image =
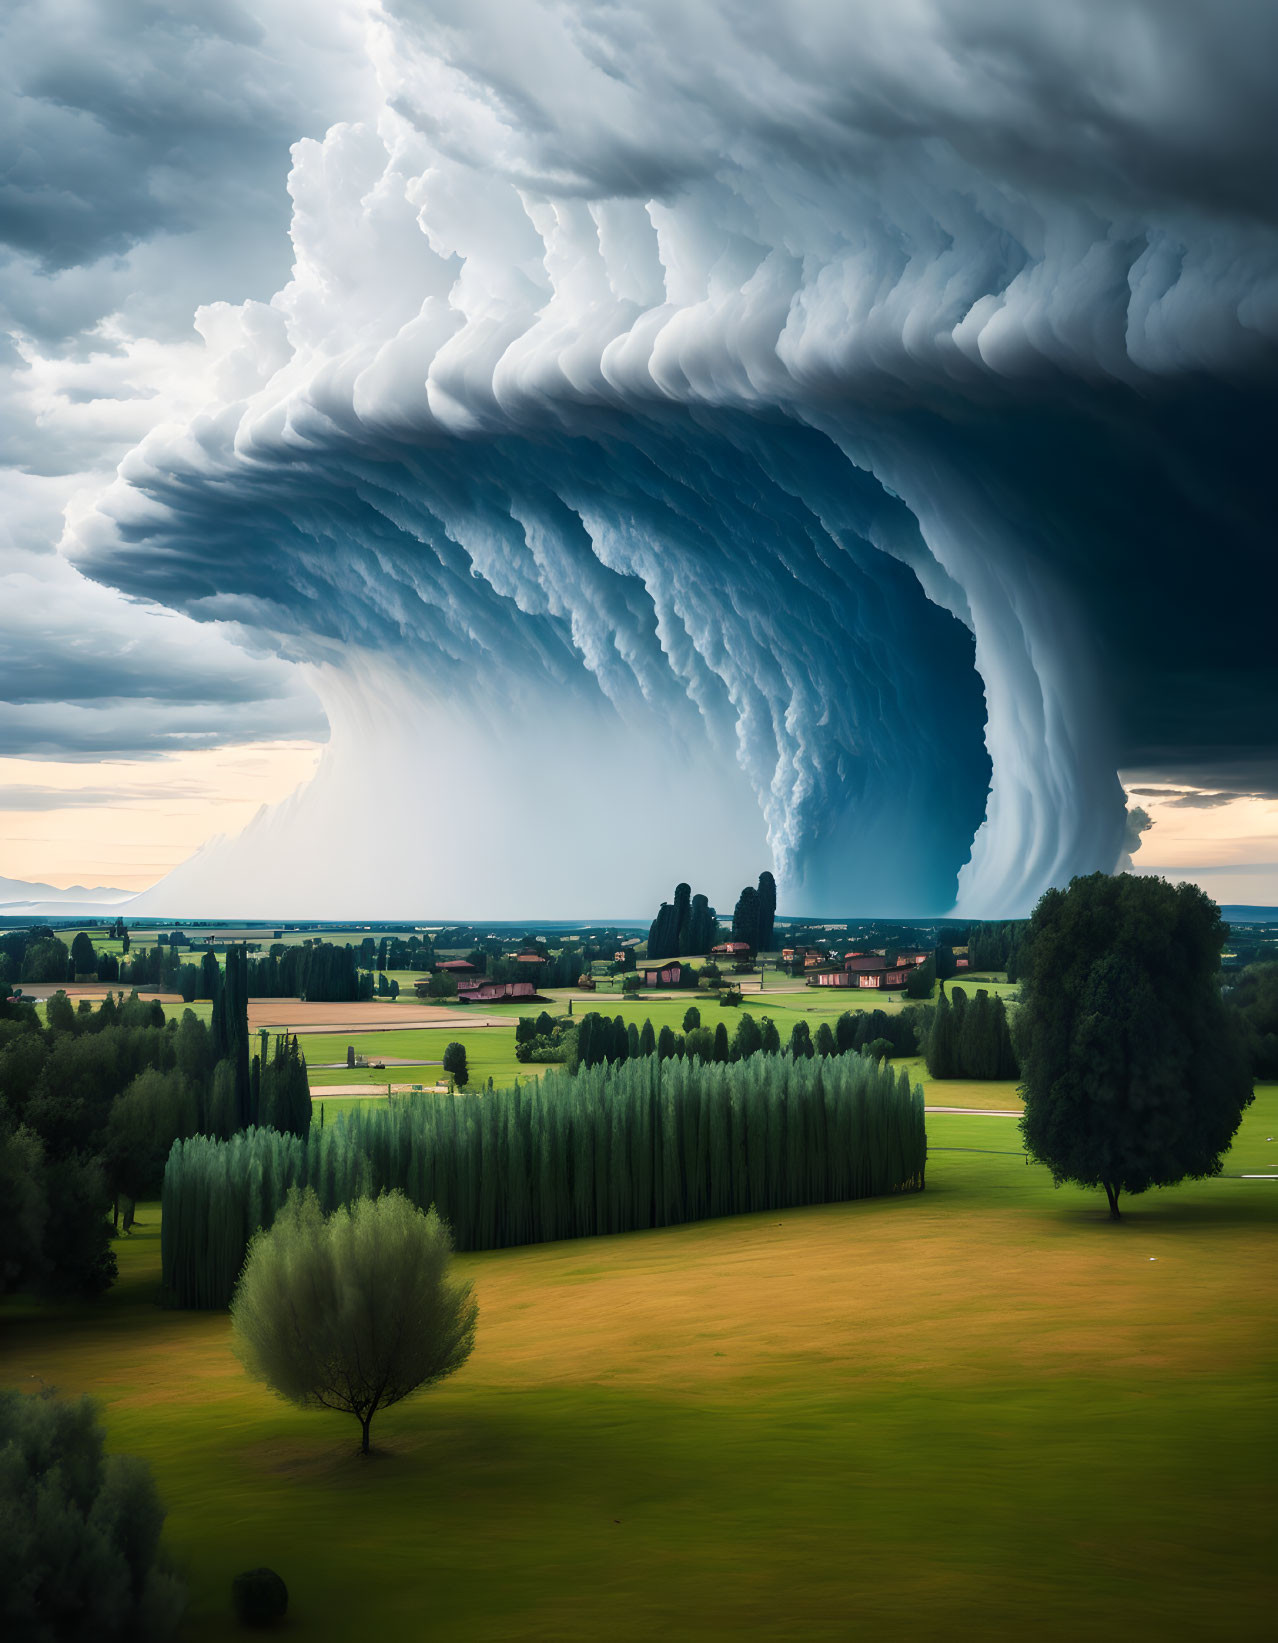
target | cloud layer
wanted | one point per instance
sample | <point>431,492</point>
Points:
<point>848,411</point>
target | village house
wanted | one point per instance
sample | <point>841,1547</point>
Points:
<point>867,970</point>
<point>663,975</point>
<point>812,957</point>
<point>482,989</point>
<point>731,950</point>
<point>456,966</point>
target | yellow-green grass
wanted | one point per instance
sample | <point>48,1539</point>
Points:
<point>978,1412</point>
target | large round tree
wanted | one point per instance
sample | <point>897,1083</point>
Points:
<point>354,1311</point>
<point>1134,1073</point>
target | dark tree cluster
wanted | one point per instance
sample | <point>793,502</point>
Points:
<point>411,952</point>
<point>602,1040</point>
<point>754,916</point>
<point>91,1103</point>
<point>970,1038</point>
<point>80,1550</point>
<point>997,946</point>
<point>1255,997</point>
<point>687,924</point>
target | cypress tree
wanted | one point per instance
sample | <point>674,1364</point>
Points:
<point>639,1144</point>
<point>825,1043</point>
<point>767,901</point>
<point>647,1039</point>
<point>745,918</point>
<point>722,1049</point>
<point>682,919</point>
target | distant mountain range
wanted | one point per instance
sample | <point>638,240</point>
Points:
<point>19,897</point>
<point>1233,913</point>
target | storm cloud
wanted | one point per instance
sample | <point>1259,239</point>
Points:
<point>847,426</point>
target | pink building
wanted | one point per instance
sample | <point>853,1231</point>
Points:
<point>481,989</point>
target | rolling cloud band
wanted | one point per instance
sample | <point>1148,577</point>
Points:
<point>758,424</point>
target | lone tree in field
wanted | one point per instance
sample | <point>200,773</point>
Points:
<point>1134,1072</point>
<point>352,1312</point>
<point>455,1063</point>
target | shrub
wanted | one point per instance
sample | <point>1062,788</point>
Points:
<point>79,1531</point>
<point>260,1597</point>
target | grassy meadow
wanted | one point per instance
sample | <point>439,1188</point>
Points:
<point>981,1411</point>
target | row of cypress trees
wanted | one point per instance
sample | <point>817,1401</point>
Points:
<point>971,1038</point>
<point>615,1148</point>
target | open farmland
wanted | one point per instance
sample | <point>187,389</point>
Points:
<point>804,1424</point>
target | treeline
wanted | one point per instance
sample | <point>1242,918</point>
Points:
<point>411,952</point>
<point>92,1101</point>
<point>595,1039</point>
<point>649,1143</point>
<point>970,1038</point>
<point>997,946</point>
<point>319,971</point>
<point>1255,996</point>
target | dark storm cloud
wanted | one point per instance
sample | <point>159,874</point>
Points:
<point>86,675</point>
<point>141,121</point>
<point>790,306</point>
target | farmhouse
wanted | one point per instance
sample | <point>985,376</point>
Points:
<point>662,975</point>
<point>867,970</point>
<point>482,989</point>
<point>811,957</point>
<point>731,950</point>
<point>456,966</point>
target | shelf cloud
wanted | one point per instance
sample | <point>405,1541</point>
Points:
<point>839,432</point>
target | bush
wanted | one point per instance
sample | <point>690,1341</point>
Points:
<point>260,1597</point>
<point>79,1531</point>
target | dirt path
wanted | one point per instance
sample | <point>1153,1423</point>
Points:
<point>980,1112</point>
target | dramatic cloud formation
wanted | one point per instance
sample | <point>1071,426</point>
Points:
<point>841,431</point>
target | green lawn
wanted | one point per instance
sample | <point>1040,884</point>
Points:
<point>979,1412</point>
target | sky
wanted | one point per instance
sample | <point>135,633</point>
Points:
<point>678,438</point>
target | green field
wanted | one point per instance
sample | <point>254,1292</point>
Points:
<point>979,1412</point>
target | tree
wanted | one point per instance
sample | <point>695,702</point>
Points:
<point>825,1043</point>
<point>691,1018</point>
<point>80,1552</point>
<point>745,918</point>
<point>771,1038</point>
<point>84,961</point>
<point>801,1040</point>
<point>45,960</point>
<point>747,1040</point>
<point>354,1312</point>
<point>767,895</point>
<point>1135,1073</point>
<point>154,1111</point>
<point>455,1063</point>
